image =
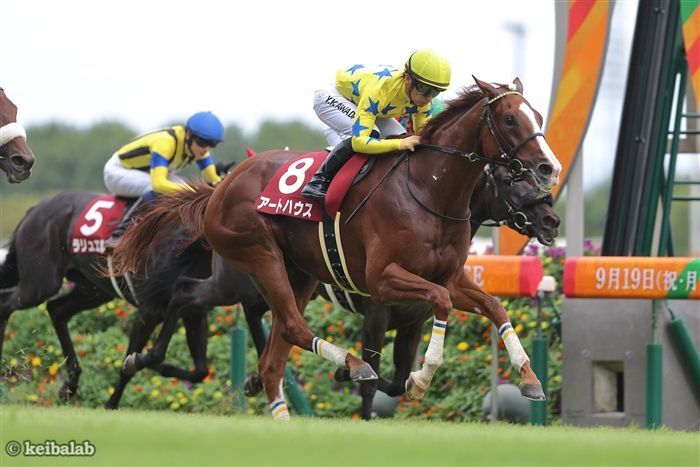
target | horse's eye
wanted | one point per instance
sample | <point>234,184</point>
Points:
<point>510,120</point>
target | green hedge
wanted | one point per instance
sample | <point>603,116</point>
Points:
<point>33,362</point>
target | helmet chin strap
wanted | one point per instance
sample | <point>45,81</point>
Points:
<point>10,132</point>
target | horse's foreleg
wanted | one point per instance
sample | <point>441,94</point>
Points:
<point>288,291</point>
<point>405,347</point>
<point>197,333</point>
<point>468,296</point>
<point>271,371</point>
<point>373,330</point>
<point>396,284</point>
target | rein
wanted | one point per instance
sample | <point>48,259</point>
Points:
<point>508,159</point>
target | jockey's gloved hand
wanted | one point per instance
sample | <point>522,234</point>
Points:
<point>222,168</point>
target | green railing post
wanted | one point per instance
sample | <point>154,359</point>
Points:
<point>538,409</point>
<point>686,351</point>
<point>238,351</point>
<point>654,375</point>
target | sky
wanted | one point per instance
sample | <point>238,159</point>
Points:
<point>149,63</point>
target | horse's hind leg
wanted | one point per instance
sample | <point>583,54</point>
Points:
<point>469,297</point>
<point>83,296</point>
<point>31,291</point>
<point>155,356</point>
<point>197,334</point>
<point>142,326</point>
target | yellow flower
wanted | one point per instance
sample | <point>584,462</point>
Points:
<point>50,348</point>
<point>102,309</point>
<point>174,406</point>
<point>36,361</point>
<point>117,363</point>
<point>198,391</point>
<point>169,398</point>
<point>218,395</point>
<point>518,328</point>
<point>212,328</point>
<point>32,397</point>
<point>53,369</point>
<point>329,338</point>
<point>155,393</point>
<point>110,391</point>
<point>13,362</point>
<point>155,380</point>
<point>462,346</point>
<point>545,324</point>
<point>426,337</point>
<point>320,405</point>
<point>110,305</point>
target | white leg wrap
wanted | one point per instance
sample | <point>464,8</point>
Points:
<point>517,354</point>
<point>433,356</point>
<point>329,351</point>
<point>278,407</point>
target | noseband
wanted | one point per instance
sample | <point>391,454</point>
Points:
<point>9,132</point>
<point>515,214</point>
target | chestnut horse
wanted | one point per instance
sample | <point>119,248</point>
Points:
<point>16,159</point>
<point>408,241</point>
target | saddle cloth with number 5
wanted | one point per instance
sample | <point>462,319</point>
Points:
<point>282,195</point>
<point>95,224</point>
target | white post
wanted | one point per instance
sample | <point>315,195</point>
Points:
<point>574,208</point>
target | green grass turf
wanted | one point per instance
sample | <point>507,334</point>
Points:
<point>157,438</point>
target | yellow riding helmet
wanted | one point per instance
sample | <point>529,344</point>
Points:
<point>429,67</point>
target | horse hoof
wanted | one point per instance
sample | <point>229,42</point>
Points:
<point>532,391</point>
<point>129,365</point>
<point>414,390</point>
<point>66,393</point>
<point>363,372</point>
<point>252,385</point>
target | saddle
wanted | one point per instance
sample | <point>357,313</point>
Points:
<point>96,222</point>
<point>282,195</point>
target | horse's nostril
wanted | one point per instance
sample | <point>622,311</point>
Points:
<point>550,221</point>
<point>21,162</point>
<point>545,169</point>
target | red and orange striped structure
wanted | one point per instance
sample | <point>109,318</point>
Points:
<point>690,17</point>
<point>506,276</point>
<point>632,277</point>
<point>586,41</point>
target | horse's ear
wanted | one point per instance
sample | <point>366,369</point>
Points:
<point>487,88</point>
<point>518,85</point>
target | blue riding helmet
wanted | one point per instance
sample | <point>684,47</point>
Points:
<point>206,125</point>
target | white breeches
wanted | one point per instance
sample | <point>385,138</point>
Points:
<point>130,183</point>
<point>338,114</point>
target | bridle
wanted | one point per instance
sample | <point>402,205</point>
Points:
<point>507,158</point>
<point>9,132</point>
<point>514,215</point>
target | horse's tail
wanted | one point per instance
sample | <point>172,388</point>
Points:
<point>136,249</point>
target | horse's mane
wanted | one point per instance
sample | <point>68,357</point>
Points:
<point>466,98</point>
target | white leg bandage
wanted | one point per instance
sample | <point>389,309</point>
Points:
<point>517,354</point>
<point>329,351</point>
<point>278,407</point>
<point>433,356</point>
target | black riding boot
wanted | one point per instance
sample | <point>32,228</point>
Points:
<point>123,224</point>
<point>318,185</point>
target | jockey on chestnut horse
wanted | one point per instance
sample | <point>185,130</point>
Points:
<point>407,239</point>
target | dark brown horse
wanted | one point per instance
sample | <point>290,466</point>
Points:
<point>16,159</point>
<point>408,243</point>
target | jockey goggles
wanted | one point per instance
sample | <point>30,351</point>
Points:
<point>205,143</point>
<point>426,90</point>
